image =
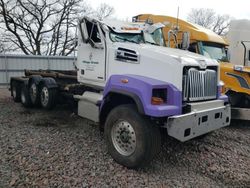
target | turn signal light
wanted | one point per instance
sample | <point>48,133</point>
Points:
<point>125,81</point>
<point>157,101</point>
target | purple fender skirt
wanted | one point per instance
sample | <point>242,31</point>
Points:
<point>142,87</point>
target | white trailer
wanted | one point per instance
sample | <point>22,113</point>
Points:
<point>239,42</point>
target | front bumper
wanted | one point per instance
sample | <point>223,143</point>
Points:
<point>199,121</point>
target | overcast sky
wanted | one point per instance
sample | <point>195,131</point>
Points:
<point>125,9</point>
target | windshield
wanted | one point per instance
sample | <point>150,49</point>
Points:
<point>127,37</point>
<point>155,38</point>
<point>214,51</point>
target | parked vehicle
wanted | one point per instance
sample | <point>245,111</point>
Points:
<point>205,42</point>
<point>187,36</point>
<point>133,88</point>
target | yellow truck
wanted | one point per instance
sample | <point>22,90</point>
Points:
<point>236,78</point>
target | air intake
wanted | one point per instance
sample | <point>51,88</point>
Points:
<point>126,55</point>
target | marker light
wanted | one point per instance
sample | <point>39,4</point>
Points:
<point>125,81</point>
<point>157,101</point>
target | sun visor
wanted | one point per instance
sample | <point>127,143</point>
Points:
<point>124,27</point>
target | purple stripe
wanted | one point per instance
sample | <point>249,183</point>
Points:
<point>223,97</point>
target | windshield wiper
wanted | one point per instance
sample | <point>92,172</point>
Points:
<point>224,59</point>
<point>124,39</point>
<point>152,43</point>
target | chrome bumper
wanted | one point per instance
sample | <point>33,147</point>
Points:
<point>199,122</point>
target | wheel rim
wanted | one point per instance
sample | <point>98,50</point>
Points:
<point>14,92</point>
<point>44,96</point>
<point>123,137</point>
<point>33,92</point>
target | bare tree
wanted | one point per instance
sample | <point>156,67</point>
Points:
<point>1,47</point>
<point>104,11</point>
<point>44,27</point>
<point>41,27</point>
<point>209,19</point>
<point>221,24</point>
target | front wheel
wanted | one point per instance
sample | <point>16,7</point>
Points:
<point>241,100</point>
<point>132,139</point>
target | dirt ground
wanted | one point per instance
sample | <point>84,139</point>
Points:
<point>56,148</point>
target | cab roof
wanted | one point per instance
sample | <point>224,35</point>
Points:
<point>119,26</point>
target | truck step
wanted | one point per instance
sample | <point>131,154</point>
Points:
<point>91,97</point>
<point>88,105</point>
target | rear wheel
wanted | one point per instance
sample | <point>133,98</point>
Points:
<point>47,96</point>
<point>132,139</point>
<point>25,97</point>
<point>34,93</point>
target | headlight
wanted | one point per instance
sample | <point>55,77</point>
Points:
<point>221,83</point>
<point>221,88</point>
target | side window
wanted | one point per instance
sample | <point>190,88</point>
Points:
<point>93,32</point>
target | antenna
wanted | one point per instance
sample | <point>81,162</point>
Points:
<point>177,19</point>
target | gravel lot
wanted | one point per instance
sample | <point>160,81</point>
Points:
<point>58,149</point>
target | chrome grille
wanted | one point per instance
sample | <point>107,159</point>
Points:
<point>199,85</point>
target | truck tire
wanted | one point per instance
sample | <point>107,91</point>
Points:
<point>47,96</point>
<point>25,97</point>
<point>235,99</point>
<point>132,139</point>
<point>15,91</point>
<point>34,93</point>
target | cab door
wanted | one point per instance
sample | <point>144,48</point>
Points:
<point>91,58</point>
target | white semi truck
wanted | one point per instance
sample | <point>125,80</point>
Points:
<point>133,88</point>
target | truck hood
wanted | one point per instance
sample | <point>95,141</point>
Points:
<point>236,68</point>
<point>161,63</point>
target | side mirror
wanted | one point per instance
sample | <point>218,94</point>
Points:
<point>185,40</point>
<point>84,31</point>
<point>227,53</point>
